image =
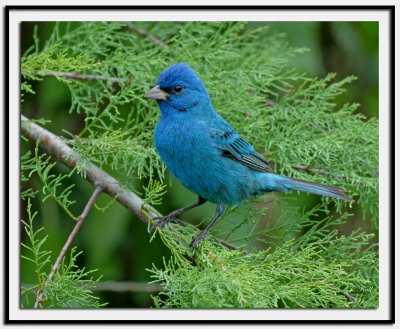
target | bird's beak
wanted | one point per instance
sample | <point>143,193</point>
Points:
<point>156,93</point>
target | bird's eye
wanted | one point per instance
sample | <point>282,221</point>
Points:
<point>178,89</point>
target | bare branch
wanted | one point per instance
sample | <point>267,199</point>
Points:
<point>310,169</point>
<point>127,286</point>
<point>349,297</point>
<point>115,286</point>
<point>69,241</point>
<point>80,76</point>
<point>316,170</point>
<point>230,245</point>
<point>146,34</point>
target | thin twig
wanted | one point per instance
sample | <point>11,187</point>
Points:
<point>127,286</point>
<point>310,169</point>
<point>69,241</point>
<point>231,246</point>
<point>80,76</point>
<point>115,286</point>
<point>317,170</point>
<point>349,297</point>
<point>146,34</point>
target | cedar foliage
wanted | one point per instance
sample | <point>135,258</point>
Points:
<point>299,258</point>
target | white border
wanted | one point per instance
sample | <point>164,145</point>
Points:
<point>133,314</point>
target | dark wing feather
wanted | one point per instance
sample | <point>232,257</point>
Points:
<point>236,148</point>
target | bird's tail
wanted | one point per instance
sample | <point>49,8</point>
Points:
<point>285,183</point>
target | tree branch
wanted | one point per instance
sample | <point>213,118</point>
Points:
<point>317,171</point>
<point>80,76</point>
<point>115,286</point>
<point>68,243</point>
<point>310,169</point>
<point>127,286</point>
<point>230,245</point>
<point>349,297</point>
<point>146,34</point>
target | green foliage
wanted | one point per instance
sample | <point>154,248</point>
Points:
<point>327,139</point>
<point>294,120</point>
<point>153,192</point>
<point>28,165</point>
<point>70,287</point>
<point>321,269</point>
<point>52,59</point>
<point>36,254</point>
<point>122,153</point>
<point>53,183</point>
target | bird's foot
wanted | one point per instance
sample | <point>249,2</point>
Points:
<point>161,222</point>
<point>196,241</point>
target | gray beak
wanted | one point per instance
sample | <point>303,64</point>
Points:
<point>156,93</point>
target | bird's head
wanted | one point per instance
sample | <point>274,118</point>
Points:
<point>178,89</point>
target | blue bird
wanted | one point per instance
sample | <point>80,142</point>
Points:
<point>207,155</point>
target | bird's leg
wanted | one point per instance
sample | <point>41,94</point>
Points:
<point>162,221</point>
<point>219,211</point>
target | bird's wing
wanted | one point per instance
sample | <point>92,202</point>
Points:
<point>235,147</point>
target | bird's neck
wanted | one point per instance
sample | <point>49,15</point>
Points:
<point>167,111</point>
<point>199,111</point>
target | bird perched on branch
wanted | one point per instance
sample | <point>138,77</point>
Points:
<point>207,155</point>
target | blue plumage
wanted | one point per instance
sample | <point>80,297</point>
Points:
<point>206,154</point>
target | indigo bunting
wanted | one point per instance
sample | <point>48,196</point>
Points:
<point>207,155</point>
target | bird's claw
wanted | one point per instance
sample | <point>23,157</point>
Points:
<point>161,222</point>
<point>196,241</point>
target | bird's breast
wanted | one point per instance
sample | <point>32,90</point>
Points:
<point>178,144</point>
<point>187,152</point>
